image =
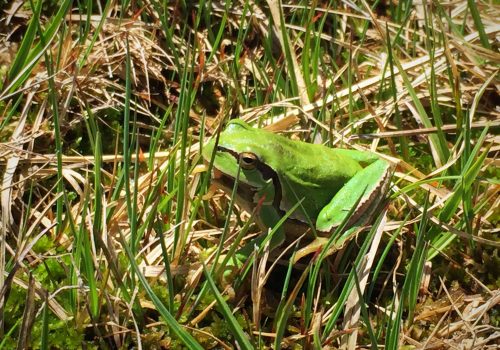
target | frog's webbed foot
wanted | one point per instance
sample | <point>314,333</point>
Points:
<point>227,268</point>
<point>320,243</point>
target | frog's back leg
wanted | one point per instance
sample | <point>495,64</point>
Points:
<point>369,184</point>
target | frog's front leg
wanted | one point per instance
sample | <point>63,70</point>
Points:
<point>267,218</point>
<point>366,188</point>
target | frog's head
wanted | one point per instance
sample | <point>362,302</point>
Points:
<point>240,154</point>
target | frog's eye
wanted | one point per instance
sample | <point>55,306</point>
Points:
<point>248,160</point>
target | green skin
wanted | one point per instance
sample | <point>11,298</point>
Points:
<point>277,172</point>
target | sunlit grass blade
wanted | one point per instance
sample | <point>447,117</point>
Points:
<point>365,315</point>
<point>44,339</point>
<point>217,40</point>
<point>25,47</point>
<point>127,146</point>
<point>171,322</point>
<point>437,144</point>
<point>407,300</point>
<point>394,93</point>
<point>236,330</point>
<point>261,241</point>
<point>470,171</point>
<point>286,305</point>
<point>479,23</point>
<point>186,99</point>
<point>25,65</point>
<point>168,272</point>
<point>53,97</point>
<point>349,283</point>
<point>88,259</point>
<point>9,334</point>
<point>413,278</point>
<point>83,59</point>
<point>433,88</point>
<point>380,262</point>
<point>337,234</point>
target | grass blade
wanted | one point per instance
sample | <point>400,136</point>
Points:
<point>232,323</point>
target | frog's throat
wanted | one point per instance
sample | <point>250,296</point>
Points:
<point>247,195</point>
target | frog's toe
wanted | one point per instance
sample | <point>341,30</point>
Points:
<point>226,268</point>
<point>312,247</point>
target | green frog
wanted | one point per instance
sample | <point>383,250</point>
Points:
<point>275,173</point>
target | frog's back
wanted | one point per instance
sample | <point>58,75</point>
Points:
<point>299,158</point>
<point>314,172</point>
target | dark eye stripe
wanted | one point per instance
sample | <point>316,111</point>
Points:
<point>227,150</point>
